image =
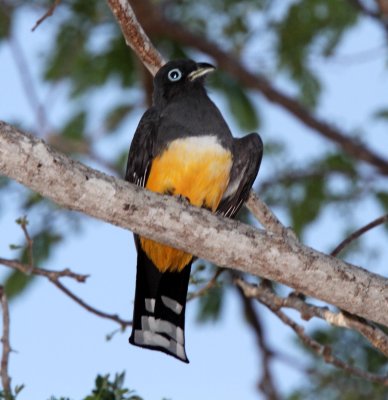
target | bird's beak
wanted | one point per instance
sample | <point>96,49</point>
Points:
<point>202,70</point>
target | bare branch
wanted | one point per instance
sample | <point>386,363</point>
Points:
<point>371,332</point>
<point>114,317</point>
<point>319,349</point>
<point>225,242</point>
<point>264,214</point>
<point>212,282</point>
<point>5,379</point>
<point>54,276</point>
<point>266,384</point>
<point>47,14</point>
<point>379,16</point>
<point>26,79</point>
<point>355,235</point>
<point>135,36</point>
<point>23,222</point>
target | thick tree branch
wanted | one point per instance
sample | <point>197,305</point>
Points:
<point>222,241</point>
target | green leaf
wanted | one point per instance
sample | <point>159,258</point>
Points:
<point>382,197</point>
<point>339,162</point>
<point>15,247</point>
<point>4,181</point>
<point>242,108</point>
<point>5,20</point>
<point>311,26</point>
<point>66,52</point>
<point>307,207</point>
<point>43,242</point>
<point>16,283</point>
<point>32,199</point>
<point>18,389</point>
<point>75,128</point>
<point>310,89</point>
<point>116,116</point>
<point>121,162</point>
<point>240,104</point>
<point>381,114</point>
<point>106,389</point>
<point>210,305</point>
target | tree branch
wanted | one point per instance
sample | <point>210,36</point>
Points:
<point>5,379</point>
<point>54,276</point>
<point>265,295</point>
<point>266,384</point>
<point>319,349</point>
<point>49,274</point>
<point>222,241</point>
<point>47,14</point>
<point>355,235</point>
<point>264,214</point>
<point>211,284</point>
<point>114,317</point>
<point>135,36</point>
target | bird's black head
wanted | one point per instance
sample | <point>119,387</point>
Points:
<point>178,77</point>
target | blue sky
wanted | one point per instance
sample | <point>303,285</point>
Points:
<point>60,348</point>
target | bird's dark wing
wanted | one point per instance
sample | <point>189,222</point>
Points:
<point>247,154</point>
<point>142,148</point>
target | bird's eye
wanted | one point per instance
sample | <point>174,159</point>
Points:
<point>174,75</point>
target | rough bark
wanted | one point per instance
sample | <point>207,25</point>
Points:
<point>225,242</point>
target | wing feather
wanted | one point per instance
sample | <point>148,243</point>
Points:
<point>247,155</point>
<point>141,151</point>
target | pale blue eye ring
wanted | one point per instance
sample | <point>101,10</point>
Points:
<point>174,75</point>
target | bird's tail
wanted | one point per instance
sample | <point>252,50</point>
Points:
<point>159,311</point>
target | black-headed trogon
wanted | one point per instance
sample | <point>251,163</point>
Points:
<point>182,147</point>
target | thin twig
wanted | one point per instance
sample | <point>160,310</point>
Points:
<point>47,14</point>
<point>50,274</point>
<point>341,319</point>
<point>26,78</point>
<point>355,235</point>
<point>54,277</point>
<point>319,349</point>
<point>212,282</point>
<point>266,384</point>
<point>23,222</point>
<point>326,351</point>
<point>5,379</point>
<point>114,317</point>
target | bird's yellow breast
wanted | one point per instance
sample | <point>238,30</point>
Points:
<point>197,168</point>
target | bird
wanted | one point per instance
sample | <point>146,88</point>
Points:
<point>182,147</point>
